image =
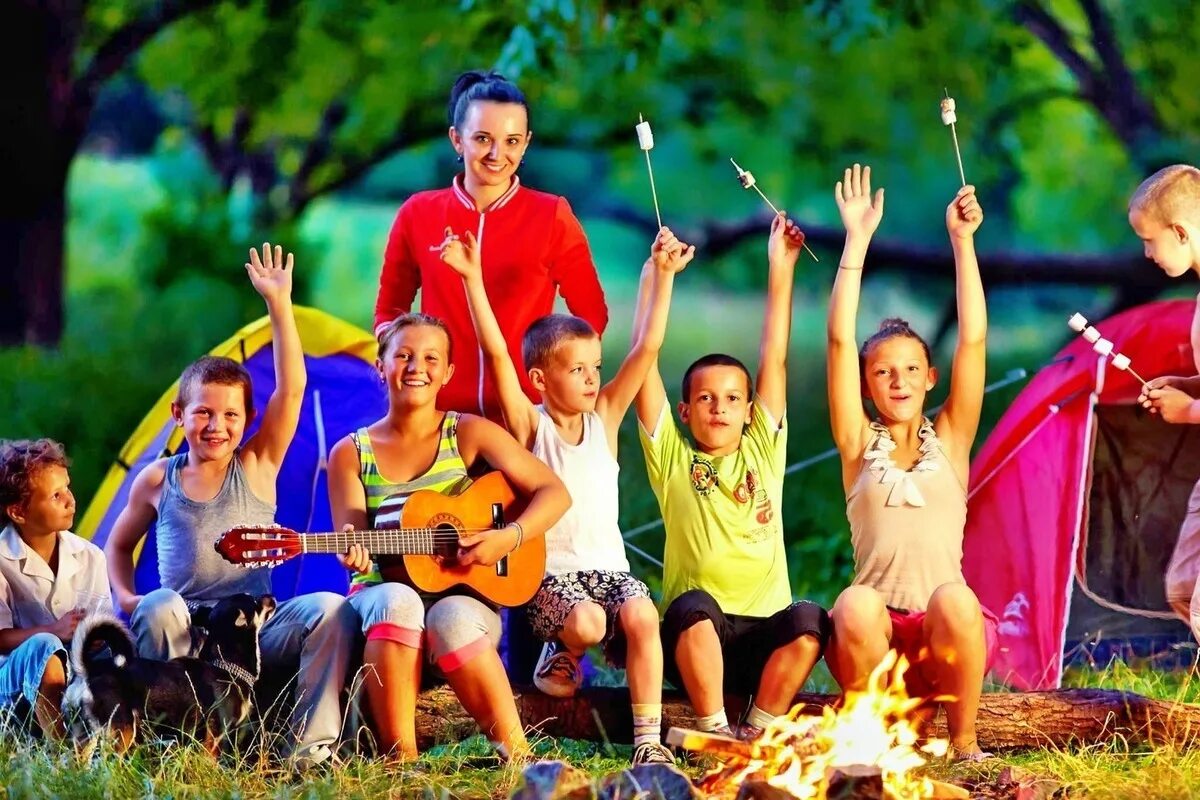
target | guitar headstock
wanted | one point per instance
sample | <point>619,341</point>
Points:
<point>258,546</point>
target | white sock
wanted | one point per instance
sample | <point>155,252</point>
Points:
<point>647,723</point>
<point>713,721</point>
<point>759,718</point>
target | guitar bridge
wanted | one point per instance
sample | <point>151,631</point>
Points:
<point>498,523</point>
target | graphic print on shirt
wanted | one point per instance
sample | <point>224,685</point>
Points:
<point>704,475</point>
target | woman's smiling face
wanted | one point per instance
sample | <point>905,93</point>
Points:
<point>492,140</point>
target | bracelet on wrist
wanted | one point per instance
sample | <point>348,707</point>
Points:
<point>520,535</point>
<point>851,269</point>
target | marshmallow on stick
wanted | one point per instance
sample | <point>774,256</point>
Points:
<point>746,178</point>
<point>1104,347</point>
<point>646,142</point>
<point>949,117</point>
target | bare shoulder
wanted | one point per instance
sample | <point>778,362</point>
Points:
<point>147,486</point>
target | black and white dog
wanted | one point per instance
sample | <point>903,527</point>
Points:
<point>209,696</point>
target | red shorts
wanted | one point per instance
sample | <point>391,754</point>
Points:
<point>907,639</point>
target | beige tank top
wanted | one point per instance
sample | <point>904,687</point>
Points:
<point>906,527</point>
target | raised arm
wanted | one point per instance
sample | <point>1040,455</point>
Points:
<point>959,420</point>
<point>668,257</point>
<point>860,215</point>
<point>652,394</point>
<point>574,271</point>
<point>548,497</point>
<point>272,279</point>
<point>399,278</point>
<point>783,248</point>
<point>520,416</point>
<point>131,525</point>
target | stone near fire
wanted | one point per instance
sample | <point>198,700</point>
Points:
<point>554,780</point>
<point>857,782</point>
<point>761,790</point>
<point>660,781</point>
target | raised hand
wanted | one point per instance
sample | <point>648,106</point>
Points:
<point>462,254</point>
<point>669,254</point>
<point>964,214</point>
<point>271,275</point>
<point>860,212</point>
<point>785,241</point>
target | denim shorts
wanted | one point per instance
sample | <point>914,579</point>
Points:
<point>21,673</point>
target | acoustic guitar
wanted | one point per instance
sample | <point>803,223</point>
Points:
<point>423,550</point>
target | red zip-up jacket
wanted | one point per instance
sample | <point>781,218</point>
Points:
<point>532,246</point>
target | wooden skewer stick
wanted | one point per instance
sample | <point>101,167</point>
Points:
<point>748,182</point>
<point>646,142</point>
<point>949,117</point>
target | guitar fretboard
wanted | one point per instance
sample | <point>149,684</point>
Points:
<point>397,542</point>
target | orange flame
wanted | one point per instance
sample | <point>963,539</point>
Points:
<point>874,727</point>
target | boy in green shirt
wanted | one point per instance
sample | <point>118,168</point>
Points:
<point>725,579</point>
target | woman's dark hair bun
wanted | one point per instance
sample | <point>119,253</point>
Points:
<point>479,85</point>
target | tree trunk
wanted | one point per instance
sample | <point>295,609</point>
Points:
<point>31,273</point>
<point>39,133</point>
<point>1006,720</point>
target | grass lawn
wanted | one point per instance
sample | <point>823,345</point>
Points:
<point>38,770</point>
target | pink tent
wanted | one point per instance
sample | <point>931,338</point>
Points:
<point>1076,499</point>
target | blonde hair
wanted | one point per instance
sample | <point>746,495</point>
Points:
<point>409,320</point>
<point>1170,195</point>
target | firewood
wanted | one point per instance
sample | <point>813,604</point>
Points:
<point>1006,720</point>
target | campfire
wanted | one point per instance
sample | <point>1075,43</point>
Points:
<point>870,747</point>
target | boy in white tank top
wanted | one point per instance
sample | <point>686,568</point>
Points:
<point>588,597</point>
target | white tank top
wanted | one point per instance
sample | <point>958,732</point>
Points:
<point>588,536</point>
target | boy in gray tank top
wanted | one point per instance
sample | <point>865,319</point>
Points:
<point>217,484</point>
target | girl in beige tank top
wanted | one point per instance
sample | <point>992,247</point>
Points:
<point>905,476</point>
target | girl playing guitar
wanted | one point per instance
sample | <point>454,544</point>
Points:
<point>372,472</point>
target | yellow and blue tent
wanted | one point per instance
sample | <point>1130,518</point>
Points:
<point>343,393</point>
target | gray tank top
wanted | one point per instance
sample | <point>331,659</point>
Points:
<point>187,530</point>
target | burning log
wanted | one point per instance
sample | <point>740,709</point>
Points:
<point>1006,720</point>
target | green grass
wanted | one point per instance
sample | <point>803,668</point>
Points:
<point>468,769</point>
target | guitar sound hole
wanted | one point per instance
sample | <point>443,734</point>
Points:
<point>446,545</point>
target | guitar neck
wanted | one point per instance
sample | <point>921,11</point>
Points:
<point>383,542</point>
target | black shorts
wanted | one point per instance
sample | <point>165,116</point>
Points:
<point>746,642</point>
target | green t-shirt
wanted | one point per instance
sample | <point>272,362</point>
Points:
<point>724,532</point>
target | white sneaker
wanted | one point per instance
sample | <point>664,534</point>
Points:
<point>557,673</point>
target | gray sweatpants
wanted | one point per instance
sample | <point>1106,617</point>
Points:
<point>310,636</point>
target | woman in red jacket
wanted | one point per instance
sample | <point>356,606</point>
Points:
<point>533,246</point>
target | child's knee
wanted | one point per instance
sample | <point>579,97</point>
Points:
<point>159,610</point>
<point>955,607</point>
<point>458,629</point>
<point>586,623</point>
<point>639,618</point>
<point>54,676</point>
<point>858,614</point>
<point>391,611</point>
<point>691,609</point>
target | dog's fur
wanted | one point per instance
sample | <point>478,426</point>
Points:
<point>208,697</point>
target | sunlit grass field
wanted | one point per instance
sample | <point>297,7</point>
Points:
<point>38,769</point>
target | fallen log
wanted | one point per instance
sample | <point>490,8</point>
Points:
<point>1006,720</point>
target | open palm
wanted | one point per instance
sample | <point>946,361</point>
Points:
<point>860,212</point>
<point>271,274</point>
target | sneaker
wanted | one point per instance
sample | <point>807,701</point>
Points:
<point>651,753</point>
<point>724,730</point>
<point>557,673</point>
<point>748,733</point>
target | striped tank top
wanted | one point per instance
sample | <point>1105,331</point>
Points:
<point>386,499</point>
